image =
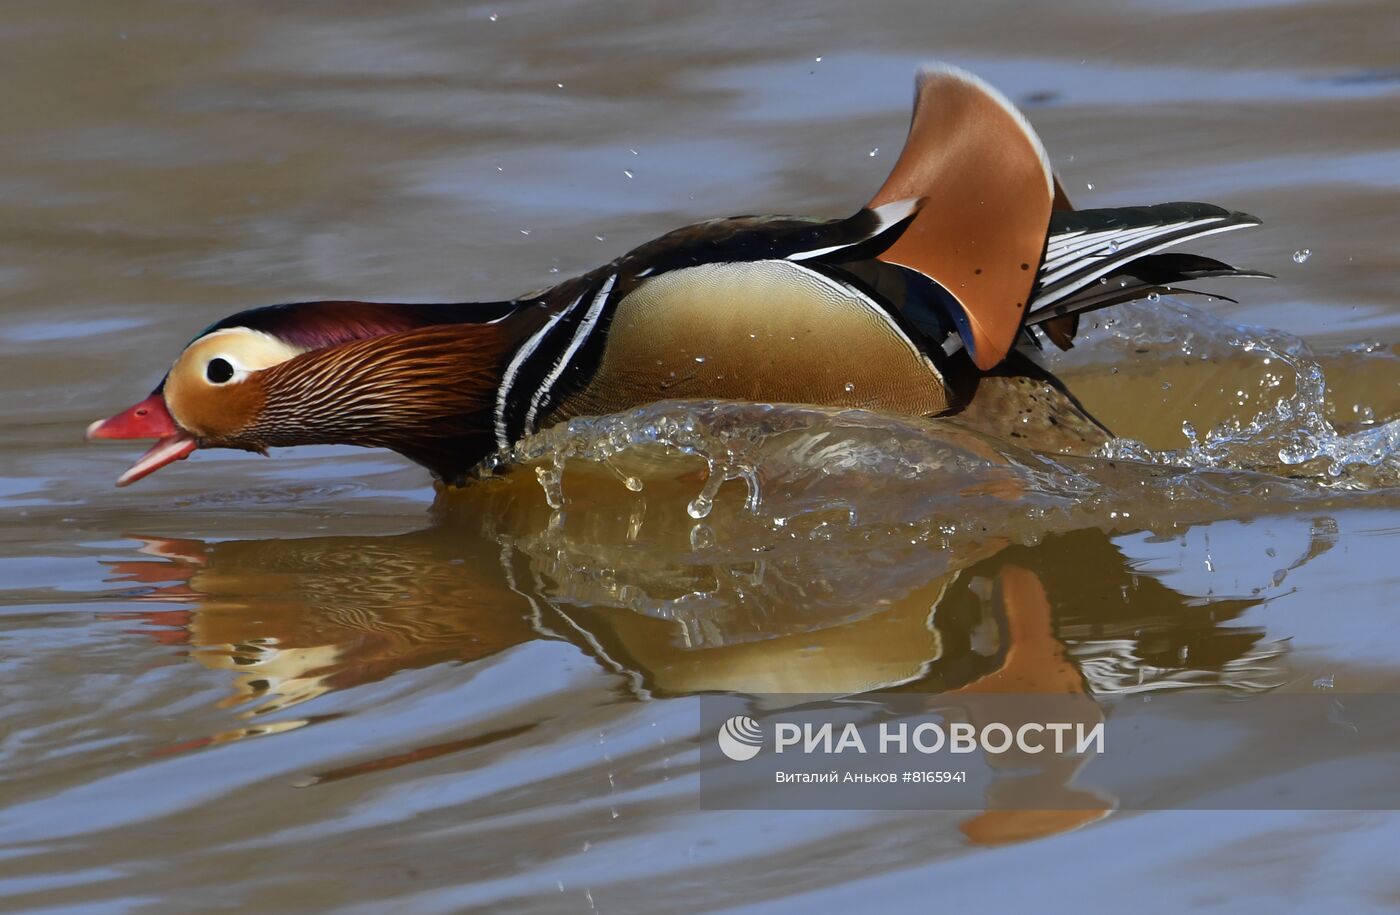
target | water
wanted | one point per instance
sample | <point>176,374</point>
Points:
<point>312,682</point>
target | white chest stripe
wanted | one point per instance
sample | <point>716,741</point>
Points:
<point>581,333</point>
<point>521,355</point>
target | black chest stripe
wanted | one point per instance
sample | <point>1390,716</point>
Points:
<point>527,370</point>
<point>585,326</point>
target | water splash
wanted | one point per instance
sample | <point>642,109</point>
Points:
<point>808,472</point>
<point>1292,435</point>
<point>691,429</point>
<point>824,474</point>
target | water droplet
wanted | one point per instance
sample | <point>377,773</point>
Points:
<point>874,152</point>
<point>1090,185</point>
<point>524,231</point>
<point>600,237</point>
<point>1364,413</point>
<point>551,482</point>
<point>700,359</point>
<point>850,386</point>
<point>1154,297</point>
<point>1301,255</point>
<point>701,537</point>
<point>1112,245</point>
<point>553,269</point>
<point>1327,682</point>
<point>560,85</point>
<point>494,17</point>
<point>1103,281</point>
<point>819,60</point>
<point>627,173</point>
<point>632,151</point>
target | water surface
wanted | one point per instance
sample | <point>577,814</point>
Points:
<point>309,683</point>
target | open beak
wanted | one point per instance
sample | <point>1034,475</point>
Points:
<point>148,419</point>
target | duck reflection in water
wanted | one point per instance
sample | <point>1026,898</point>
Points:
<point>676,608</point>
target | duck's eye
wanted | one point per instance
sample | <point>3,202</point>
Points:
<point>218,370</point>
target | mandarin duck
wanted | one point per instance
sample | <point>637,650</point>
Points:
<point>930,301</point>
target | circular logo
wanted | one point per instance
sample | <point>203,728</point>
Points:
<point>740,738</point>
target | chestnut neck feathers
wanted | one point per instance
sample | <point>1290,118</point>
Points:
<point>404,377</point>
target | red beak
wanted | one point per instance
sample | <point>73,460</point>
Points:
<point>148,419</point>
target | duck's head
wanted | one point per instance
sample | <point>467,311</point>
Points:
<point>408,378</point>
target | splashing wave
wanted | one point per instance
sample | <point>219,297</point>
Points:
<point>1292,436</point>
<point>813,468</point>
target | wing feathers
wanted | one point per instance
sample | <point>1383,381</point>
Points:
<point>867,225</point>
<point>1135,280</point>
<point>989,189</point>
<point>1086,245</point>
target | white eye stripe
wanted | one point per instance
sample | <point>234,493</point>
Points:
<point>244,351</point>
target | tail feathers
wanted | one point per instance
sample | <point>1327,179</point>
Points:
<point>1088,245</point>
<point>1138,279</point>
<point>1060,331</point>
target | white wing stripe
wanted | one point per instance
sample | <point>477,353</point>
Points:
<point>1054,252</point>
<point>1052,296</point>
<point>887,215</point>
<point>1128,246</point>
<point>1107,241</point>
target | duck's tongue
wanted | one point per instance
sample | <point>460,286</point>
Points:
<point>148,419</point>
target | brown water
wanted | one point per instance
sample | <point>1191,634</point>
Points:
<point>297,684</point>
